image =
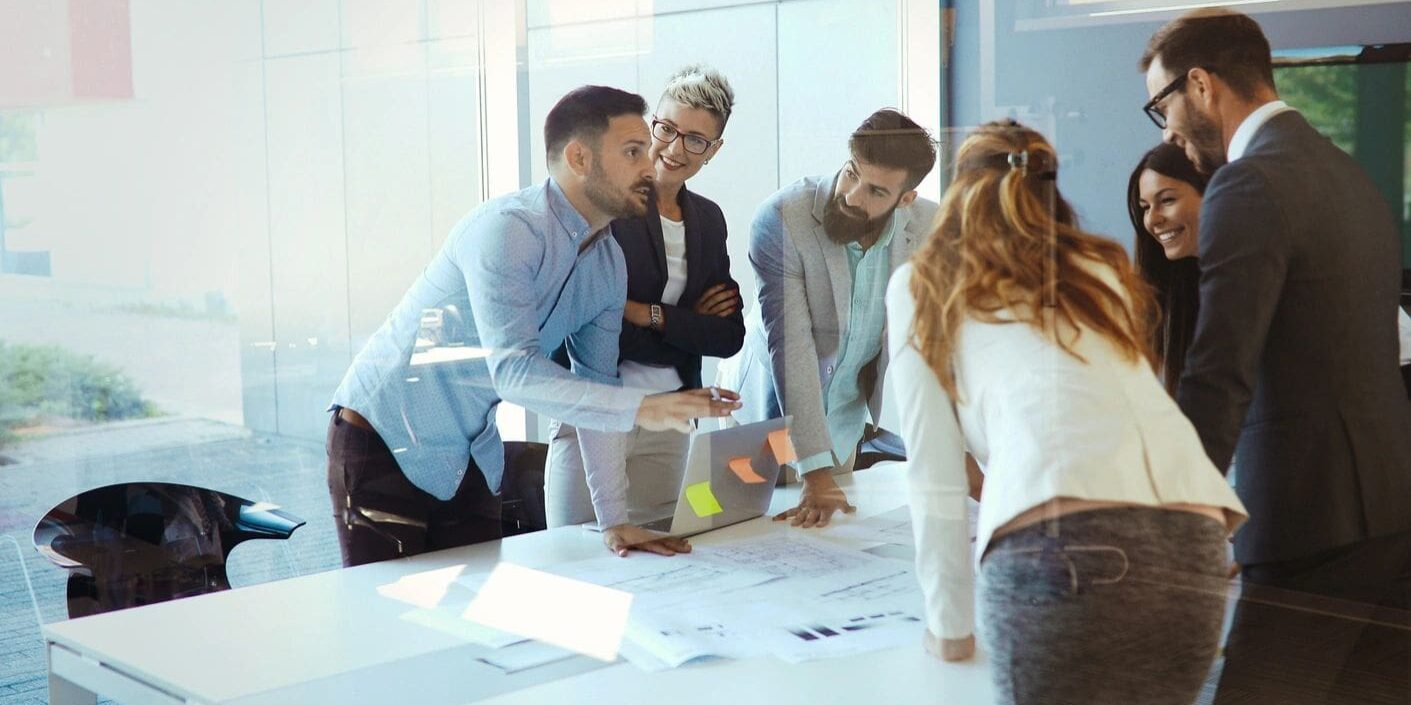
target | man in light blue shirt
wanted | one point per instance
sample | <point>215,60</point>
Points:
<point>823,249</point>
<point>415,459</point>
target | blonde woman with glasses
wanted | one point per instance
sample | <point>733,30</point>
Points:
<point>1022,340</point>
<point>682,304</point>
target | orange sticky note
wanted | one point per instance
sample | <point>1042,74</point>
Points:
<point>745,471</point>
<point>783,446</point>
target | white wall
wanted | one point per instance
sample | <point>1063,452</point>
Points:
<point>372,110</point>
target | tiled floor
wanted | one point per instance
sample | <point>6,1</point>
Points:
<point>286,472</point>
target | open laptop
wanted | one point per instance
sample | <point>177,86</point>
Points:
<point>712,493</point>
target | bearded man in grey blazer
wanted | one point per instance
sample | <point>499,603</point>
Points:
<point>1293,368</point>
<point>823,249</point>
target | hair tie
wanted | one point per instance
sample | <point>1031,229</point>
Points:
<point>1019,161</point>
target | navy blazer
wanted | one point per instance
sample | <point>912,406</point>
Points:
<point>686,336</point>
<point>1293,369</point>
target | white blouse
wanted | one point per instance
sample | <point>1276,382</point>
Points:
<point>1042,425</point>
<point>662,378</point>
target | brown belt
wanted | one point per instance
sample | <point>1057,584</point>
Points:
<point>352,417</point>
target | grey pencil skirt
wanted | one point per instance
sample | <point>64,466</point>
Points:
<point>1116,606</point>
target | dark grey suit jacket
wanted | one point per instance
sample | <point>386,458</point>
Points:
<point>1293,369</point>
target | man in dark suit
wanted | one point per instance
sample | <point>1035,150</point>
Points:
<point>1293,369</point>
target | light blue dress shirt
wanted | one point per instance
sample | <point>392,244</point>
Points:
<point>843,401</point>
<point>508,287</point>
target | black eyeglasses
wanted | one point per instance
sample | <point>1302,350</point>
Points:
<point>1154,112</point>
<point>666,132</point>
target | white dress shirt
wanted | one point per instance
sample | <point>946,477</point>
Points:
<point>1244,134</point>
<point>1043,425</point>
<point>1403,329</point>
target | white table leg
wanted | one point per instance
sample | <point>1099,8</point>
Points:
<point>64,692</point>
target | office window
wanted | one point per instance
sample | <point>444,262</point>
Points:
<point>207,208</point>
<point>1360,98</point>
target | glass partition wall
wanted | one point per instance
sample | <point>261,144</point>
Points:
<point>207,207</point>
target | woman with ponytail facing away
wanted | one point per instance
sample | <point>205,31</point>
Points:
<point>1022,340</point>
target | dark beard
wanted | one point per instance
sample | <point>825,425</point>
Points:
<point>1207,141</point>
<point>617,205</point>
<point>844,225</point>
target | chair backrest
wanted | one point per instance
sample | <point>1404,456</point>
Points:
<point>138,543</point>
<point>878,445</point>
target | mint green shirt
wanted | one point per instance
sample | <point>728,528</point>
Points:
<point>843,400</point>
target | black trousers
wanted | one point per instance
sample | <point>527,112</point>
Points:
<point>382,515</point>
<point>1332,628</point>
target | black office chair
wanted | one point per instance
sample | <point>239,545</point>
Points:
<point>140,543</point>
<point>878,445</point>
<point>522,490</point>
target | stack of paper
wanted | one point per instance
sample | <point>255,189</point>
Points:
<point>794,597</point>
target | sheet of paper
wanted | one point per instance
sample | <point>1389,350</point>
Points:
<point>661,580</point>
<point>525,655</point>
<point>450,621</point>
<point>890,527</point>
<point>690,631</point>
<point>426,589</point>
<point>586,618</point>
<point>838,614</point>
<point>893,527</point>
<point>744,469</point>
<point>639,656</point>
<point>788,556</point>
<point>873,607</point>
<point>835,639</point>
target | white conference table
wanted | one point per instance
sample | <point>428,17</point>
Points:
<point>331,638</point>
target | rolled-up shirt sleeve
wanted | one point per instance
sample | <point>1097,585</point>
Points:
<point>500,256</point>
<point>936,479</point>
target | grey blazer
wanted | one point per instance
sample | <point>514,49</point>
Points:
<point>804,287</point>
<point>1293,368</point>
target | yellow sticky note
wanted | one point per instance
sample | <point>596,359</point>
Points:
<point>703,501</point>
<point>783,446</point>
<point>744,470</point>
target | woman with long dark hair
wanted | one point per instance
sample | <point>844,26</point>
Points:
<point>1024,341</point>
<point>1163,200</point>
<point>1164,195</point>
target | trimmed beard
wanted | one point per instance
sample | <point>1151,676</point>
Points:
<point>1206,140</point>
<point>617,205</point>
<point>843,227</point>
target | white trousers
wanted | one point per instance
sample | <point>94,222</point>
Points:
<point>655,462</point>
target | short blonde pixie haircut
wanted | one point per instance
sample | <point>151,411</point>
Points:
<point>700,86</point>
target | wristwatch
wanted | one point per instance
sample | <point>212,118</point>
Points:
<point>655,323</point>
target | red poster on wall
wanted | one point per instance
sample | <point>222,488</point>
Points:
<point>55,52</point>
